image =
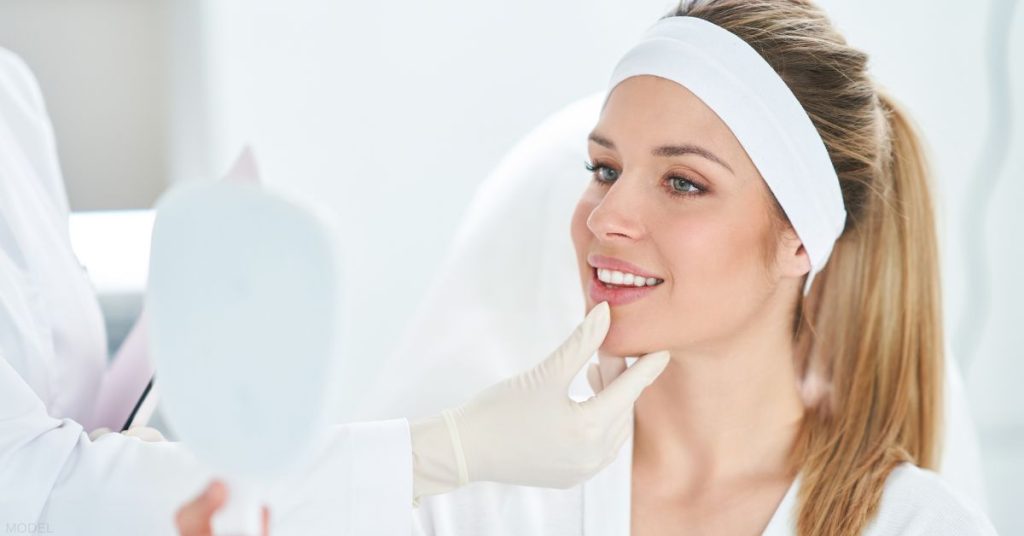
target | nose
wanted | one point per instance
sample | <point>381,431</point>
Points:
<point>617,216</point>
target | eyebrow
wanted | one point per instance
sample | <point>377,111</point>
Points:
<point>668,150</point>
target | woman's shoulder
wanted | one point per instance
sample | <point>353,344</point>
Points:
<point>918,501</point>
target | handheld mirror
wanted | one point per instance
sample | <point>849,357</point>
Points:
<point>244,303</point>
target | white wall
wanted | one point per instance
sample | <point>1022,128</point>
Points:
<point>102,68</point>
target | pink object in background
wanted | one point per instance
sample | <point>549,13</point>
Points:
<point>244,169</point>
<point>129,374</point>
<point>125,380</point>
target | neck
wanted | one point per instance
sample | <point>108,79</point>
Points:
<point>731,412</point>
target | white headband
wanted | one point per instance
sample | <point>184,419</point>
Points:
<point>754,102</point>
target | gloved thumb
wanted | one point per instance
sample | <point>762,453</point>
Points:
<point>622,392</point>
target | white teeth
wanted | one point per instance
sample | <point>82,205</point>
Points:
<point>614,277</point>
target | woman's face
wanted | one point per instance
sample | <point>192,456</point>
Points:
<point>676,197</point>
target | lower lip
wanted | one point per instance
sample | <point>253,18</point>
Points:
<point>600,292</point>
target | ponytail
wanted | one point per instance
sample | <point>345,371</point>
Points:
<point>878,345</point>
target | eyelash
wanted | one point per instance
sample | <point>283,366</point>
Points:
<point>597,165</point>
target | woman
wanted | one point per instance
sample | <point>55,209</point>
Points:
<point>803,393</point>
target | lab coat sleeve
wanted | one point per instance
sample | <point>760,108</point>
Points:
<point>53,479</point>
<point>368,469</point>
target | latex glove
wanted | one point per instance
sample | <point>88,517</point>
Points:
<point>607,368</point>
<point>526,430</point>
<point>194,518</point>
<point>145,433</point>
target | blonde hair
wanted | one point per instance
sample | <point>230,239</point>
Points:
<point>869,335</point>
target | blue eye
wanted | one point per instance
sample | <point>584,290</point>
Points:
<point>678,186</point>
<point>684,186</point>
<point>602,173</point>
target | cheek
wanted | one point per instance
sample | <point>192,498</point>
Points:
<point>581,235</point>
<point>581,239</point>
<point>590,197</point>
<point>717,271</point>
<point>709,254</point>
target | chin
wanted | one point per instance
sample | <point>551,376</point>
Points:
<point>623,343</point>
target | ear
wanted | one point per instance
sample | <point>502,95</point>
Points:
<point>793,260</point>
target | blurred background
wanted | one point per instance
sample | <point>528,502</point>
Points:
<point>391,113</point>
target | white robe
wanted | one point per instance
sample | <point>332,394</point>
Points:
<point>914,502</point>
<point>53,479</point>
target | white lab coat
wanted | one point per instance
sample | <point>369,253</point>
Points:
<point>53,479</point>
<point>915,502</point>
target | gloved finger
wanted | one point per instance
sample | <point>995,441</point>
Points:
<point>145,433</point>
<point>622,392</point>
<point>610,367</point>
<point>193,518</point>
<point>594,378</point>
<point>95,434</point>
<point>570,357</point>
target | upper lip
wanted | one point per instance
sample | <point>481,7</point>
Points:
<point>619,265</point>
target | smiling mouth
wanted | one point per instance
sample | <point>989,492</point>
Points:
<point>614,279</point>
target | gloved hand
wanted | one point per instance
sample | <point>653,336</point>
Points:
<point>526,430</point>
